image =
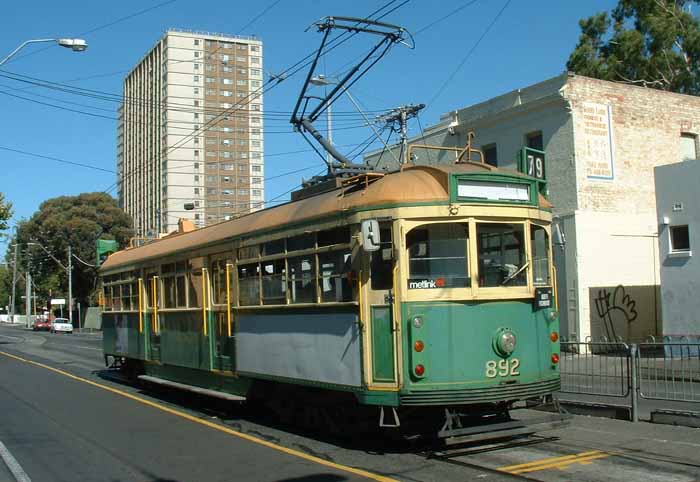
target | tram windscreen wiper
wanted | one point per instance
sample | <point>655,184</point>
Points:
<point>517,272</point>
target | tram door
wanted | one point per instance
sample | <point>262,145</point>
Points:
<point>223,329</point>
<point>151,289</point>
<point>380,300</point>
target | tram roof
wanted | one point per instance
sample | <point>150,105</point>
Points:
<point>414,184</point>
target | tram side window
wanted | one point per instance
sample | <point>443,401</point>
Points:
<point>330,237</point>
<point>437,255</point>
<point>273,283</point>
<point>304,241</point>
<point>249,284</point>
<point>126,297</point>
<point>302,279</point>
<point>194,282</point>
<point>502,257</point>
<point>540,256</point>
<point>117,297</point>
<point>333,276</point>
<point>382,263</point>
<point>218,281</point>
<point>107,297</point>
<point>148,288</point>
<point>174,285</point>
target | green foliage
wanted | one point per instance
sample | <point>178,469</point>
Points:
<point>653,43</point>
<point>5,212</point>
<point>75,221</point>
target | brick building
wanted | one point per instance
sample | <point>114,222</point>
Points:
<point>602,141</point>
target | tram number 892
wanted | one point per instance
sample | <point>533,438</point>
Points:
<point>502,368</point>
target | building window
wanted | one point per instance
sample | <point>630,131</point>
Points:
<point>196,41</point>
<point>196,54</point>
<point>534,140</point>
<point>196,103</point>
<point>196,78</point>
<point>196,115</point>
<point>196,166</point>
<point>254,48</point>
<point>196,91</point>
<point>196,153</point>
<point>680,239</point>
<point>196,190</point>
<point>490,155</point>
<point>196,66</point>
<point>689,149</point>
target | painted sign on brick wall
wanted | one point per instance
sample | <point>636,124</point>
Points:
<point>595,130</point>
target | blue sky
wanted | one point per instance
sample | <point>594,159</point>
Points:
<point>529,42</point>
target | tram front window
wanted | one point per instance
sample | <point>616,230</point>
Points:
<point>502,257</point>
<point>437,256</point>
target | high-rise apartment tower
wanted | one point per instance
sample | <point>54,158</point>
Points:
<point>190,136</point>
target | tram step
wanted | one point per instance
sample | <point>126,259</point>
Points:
<point>191,388</point>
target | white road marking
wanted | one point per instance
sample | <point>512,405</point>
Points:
<point>13,465</point>
<point>12,337</point>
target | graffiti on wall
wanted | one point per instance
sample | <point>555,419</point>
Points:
<point>619,302</point>
<point>624,312</point>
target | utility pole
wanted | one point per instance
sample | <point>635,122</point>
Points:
<point>401,115</point>
<point>70,284</point>
<point>14,284</point>
<point>28,290</point>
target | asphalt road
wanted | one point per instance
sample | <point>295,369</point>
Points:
<point>61,419</point>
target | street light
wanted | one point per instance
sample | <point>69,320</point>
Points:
<point>321,80</point>
<point>75,44</point>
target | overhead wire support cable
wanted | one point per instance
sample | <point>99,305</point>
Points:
<point>469,53</point>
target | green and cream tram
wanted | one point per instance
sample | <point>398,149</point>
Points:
<point>403,293</point>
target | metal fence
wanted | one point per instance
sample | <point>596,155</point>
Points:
<point>667,370</point>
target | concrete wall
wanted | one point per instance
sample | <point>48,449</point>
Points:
<point>680,272</point>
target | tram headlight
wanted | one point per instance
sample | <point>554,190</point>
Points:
<point>417,321</point>
<point>505,342</point>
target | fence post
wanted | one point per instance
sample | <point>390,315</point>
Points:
<point>634,380</point>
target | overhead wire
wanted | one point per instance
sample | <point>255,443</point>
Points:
<point>297,67</point>
<point>469,53</point>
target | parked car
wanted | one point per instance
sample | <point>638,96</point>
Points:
<point>61,325</point>
<point>42,325</point>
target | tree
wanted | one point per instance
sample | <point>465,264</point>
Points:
<point>5,212</point>
<point>75,221</point>
<point>652,43</point>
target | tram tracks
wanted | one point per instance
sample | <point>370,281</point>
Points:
<point>580,453</point>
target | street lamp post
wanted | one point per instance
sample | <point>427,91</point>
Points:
<point>69,271</point>
<point>75,44</point>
